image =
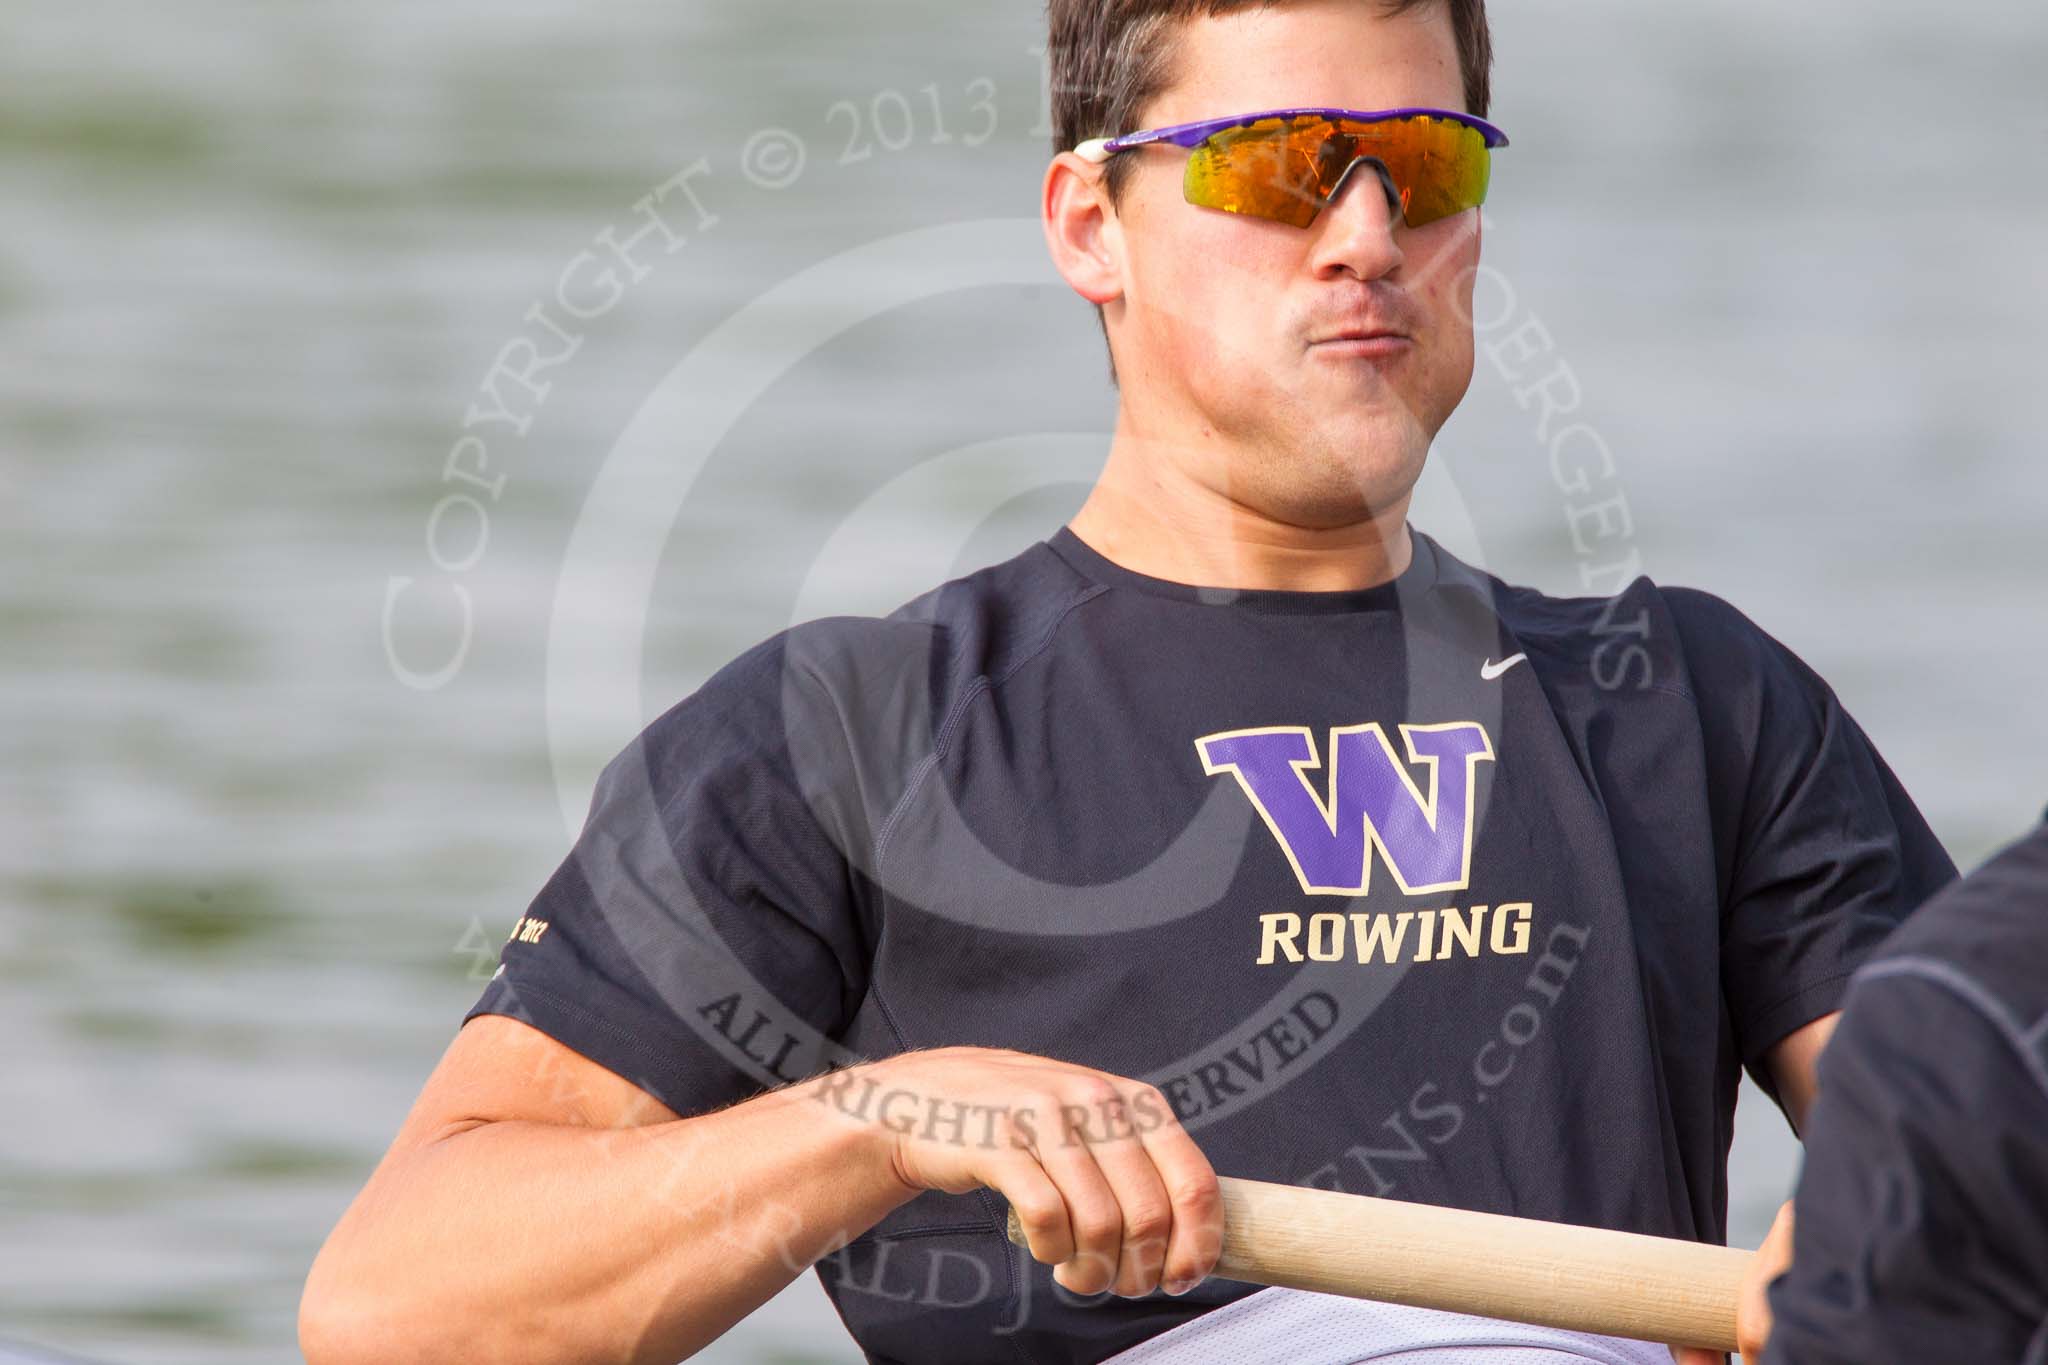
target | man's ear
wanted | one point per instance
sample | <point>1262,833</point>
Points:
<point>1081,229</point>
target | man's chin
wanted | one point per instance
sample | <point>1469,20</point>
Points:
<point>1336,497</point>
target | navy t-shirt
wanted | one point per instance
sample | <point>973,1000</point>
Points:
<point>1922,1213</point>
<point>1441,890</point>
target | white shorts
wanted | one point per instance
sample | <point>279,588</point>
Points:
<point>1300,1328</point>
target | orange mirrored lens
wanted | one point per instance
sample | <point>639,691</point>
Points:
<point>1286,170</point>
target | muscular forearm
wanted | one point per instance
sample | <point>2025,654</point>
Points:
<point>517,1241</point>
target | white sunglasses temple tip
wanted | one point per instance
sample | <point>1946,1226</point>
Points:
<point>1095,150</point>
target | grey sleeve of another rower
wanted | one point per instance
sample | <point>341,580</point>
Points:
<point>1922,1212</point>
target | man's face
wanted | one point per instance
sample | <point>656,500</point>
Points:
<point>1222,329</point>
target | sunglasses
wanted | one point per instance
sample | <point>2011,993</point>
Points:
<point>1287,164</point>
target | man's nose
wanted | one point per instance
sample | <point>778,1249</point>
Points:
<point>1357,225</point>
<point>1365,172</point>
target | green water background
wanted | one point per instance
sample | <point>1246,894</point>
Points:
<point>255,262</point>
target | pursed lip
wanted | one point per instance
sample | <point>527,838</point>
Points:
<point>1363,343</point>
<point>1363,334</point>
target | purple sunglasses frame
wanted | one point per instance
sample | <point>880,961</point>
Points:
<point>1099,149</point>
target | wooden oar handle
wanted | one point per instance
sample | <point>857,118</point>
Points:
<point>1619,1284</point>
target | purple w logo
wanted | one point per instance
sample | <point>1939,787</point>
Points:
<point>1373,802</point>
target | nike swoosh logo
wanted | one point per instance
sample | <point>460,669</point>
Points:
<point>1489,670</point>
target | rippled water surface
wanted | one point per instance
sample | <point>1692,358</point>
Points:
<point>256,265</point>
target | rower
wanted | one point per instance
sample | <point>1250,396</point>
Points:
<point>1921,1224</point>
<point>899,924</point>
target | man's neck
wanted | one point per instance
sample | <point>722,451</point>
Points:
<point>1150,518</point>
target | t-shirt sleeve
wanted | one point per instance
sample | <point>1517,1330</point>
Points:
<point>1821,852</point>
<point>1921,1218</point>
<point>704,937</point>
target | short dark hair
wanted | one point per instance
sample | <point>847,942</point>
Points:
<point>1111,58</point>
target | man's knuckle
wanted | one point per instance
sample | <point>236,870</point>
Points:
<point>1096,1227</point>
<point>1095,1089</point>
<point>1150,1099</point>
<point>1039,1213</point>
<point>1149,1223</point>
